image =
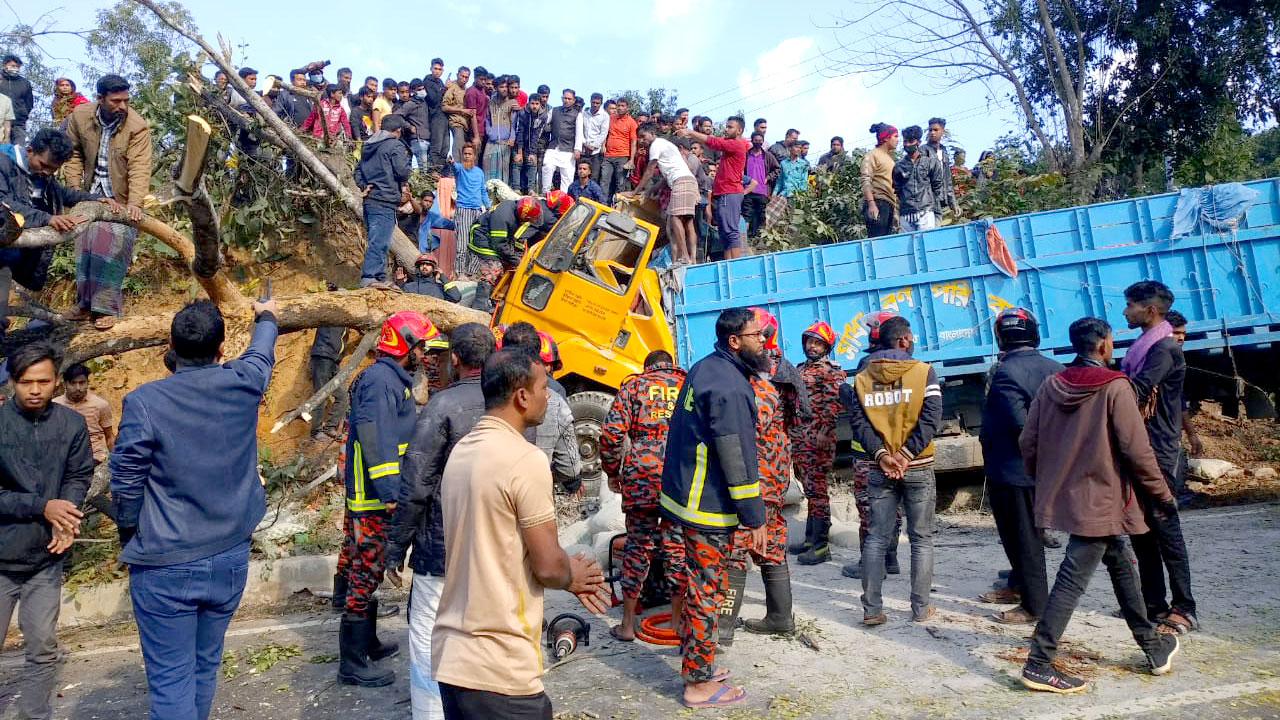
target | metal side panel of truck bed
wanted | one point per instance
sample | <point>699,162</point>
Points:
<point>1071,263</point>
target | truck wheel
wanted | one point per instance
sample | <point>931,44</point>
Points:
<point>589,410</point>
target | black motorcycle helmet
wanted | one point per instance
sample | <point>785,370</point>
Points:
<point>1015,327</point>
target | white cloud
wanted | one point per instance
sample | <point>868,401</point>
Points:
<point>497,28</point>
<point>664,10</point>
<point>779,73</point>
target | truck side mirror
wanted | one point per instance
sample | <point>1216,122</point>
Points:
<point>620,224</point>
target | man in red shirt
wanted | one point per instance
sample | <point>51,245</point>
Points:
<point>726,192</point>
<point>619,150</point>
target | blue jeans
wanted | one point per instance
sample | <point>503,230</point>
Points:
<point>379,223</point>
<point>727,210</point>
<point>182,613</point>
<point>419,149</point>
<point>918,493</point>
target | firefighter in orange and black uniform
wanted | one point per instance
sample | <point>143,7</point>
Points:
<point>632,445</point>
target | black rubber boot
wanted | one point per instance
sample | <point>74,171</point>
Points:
<point>891,566</point>
<point>355,667</point>
<point>727,623</point>
<point>378,650</point>
<point>339,591</point>
<point>820,551</point>
<point>777,603</point>
<point>796,548</point>
<point>854,569</point>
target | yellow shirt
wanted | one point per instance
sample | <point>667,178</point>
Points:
<point>383,106</point>
<point>489,622</point>
<point>877,174</point>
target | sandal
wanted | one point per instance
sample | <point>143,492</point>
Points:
<point>105,322</point>
<point>1174,622</point>
<point>722,674</point>
<point>718,699</point>
<point>76,314</point>
<point>613,633</point>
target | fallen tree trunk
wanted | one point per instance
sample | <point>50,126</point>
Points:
<point>403,248</point>
<point>339,379</point>
<point>362,309</point>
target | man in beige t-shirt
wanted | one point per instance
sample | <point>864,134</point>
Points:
<point>96,411</point>
<point>501,551</point>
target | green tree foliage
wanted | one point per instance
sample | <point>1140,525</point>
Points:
<point>652,101</point>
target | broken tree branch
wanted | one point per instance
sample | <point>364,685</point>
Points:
<point>404,249</point>
<point>338,380</point>
<point>362,309</point>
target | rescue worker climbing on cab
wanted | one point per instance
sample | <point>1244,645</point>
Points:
<point>381,423</point>
<point>499,237</point>
<point>813,443</point>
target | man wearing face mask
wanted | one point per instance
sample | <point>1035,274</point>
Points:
<point>18,89</point>
<point>896,411</point>
<point>418,114</point>
<point>111,156</point>
<point>380,423</point>
<point>920,183</point>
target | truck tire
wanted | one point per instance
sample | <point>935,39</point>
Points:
<point>589,410</point>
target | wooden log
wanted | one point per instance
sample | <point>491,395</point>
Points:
<point>321,395</point>
<point>362,309</point>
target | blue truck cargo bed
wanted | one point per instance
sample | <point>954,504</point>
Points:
<point>1071,263</point>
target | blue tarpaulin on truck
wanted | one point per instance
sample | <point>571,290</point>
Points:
<point>1211,209</point>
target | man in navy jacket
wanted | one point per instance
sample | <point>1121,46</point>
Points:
<point>710,486</point>
<point>184,479</point>
<point>1015,380</point>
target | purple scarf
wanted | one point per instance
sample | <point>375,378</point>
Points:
<point>1136,356</point>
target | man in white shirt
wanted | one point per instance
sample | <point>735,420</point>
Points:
<point>592,129</point>
<point>670,160</point>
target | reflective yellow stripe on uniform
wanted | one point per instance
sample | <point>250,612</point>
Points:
<point>857,447</point>
<point>450,285</point>
<point>360,503</point>
<point>742,492</point>
<point>690,511</point>
<point>402,448</point>
<point>383,470</point>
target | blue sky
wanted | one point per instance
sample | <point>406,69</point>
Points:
<point>768,59</point>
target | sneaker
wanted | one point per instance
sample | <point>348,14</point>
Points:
<point>852,570</point>
<point>873,620</point>
<point>1051,680</point>
<point>1161,658</point>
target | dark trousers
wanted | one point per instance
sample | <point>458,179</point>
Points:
<point>466,704</point>
<point>1159,550</point>
<point>727,210</point>
<point>753,207</point>
<point>884,224</point>
<point>327,418</point>
<point>439,140</point>
<point>1083,555</point>
<point>182,612</point>
<point>1014,511</point>
<point>613,178</point>
<point>38,597</point>
<point>595,160</point>
<point>528,173</point>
